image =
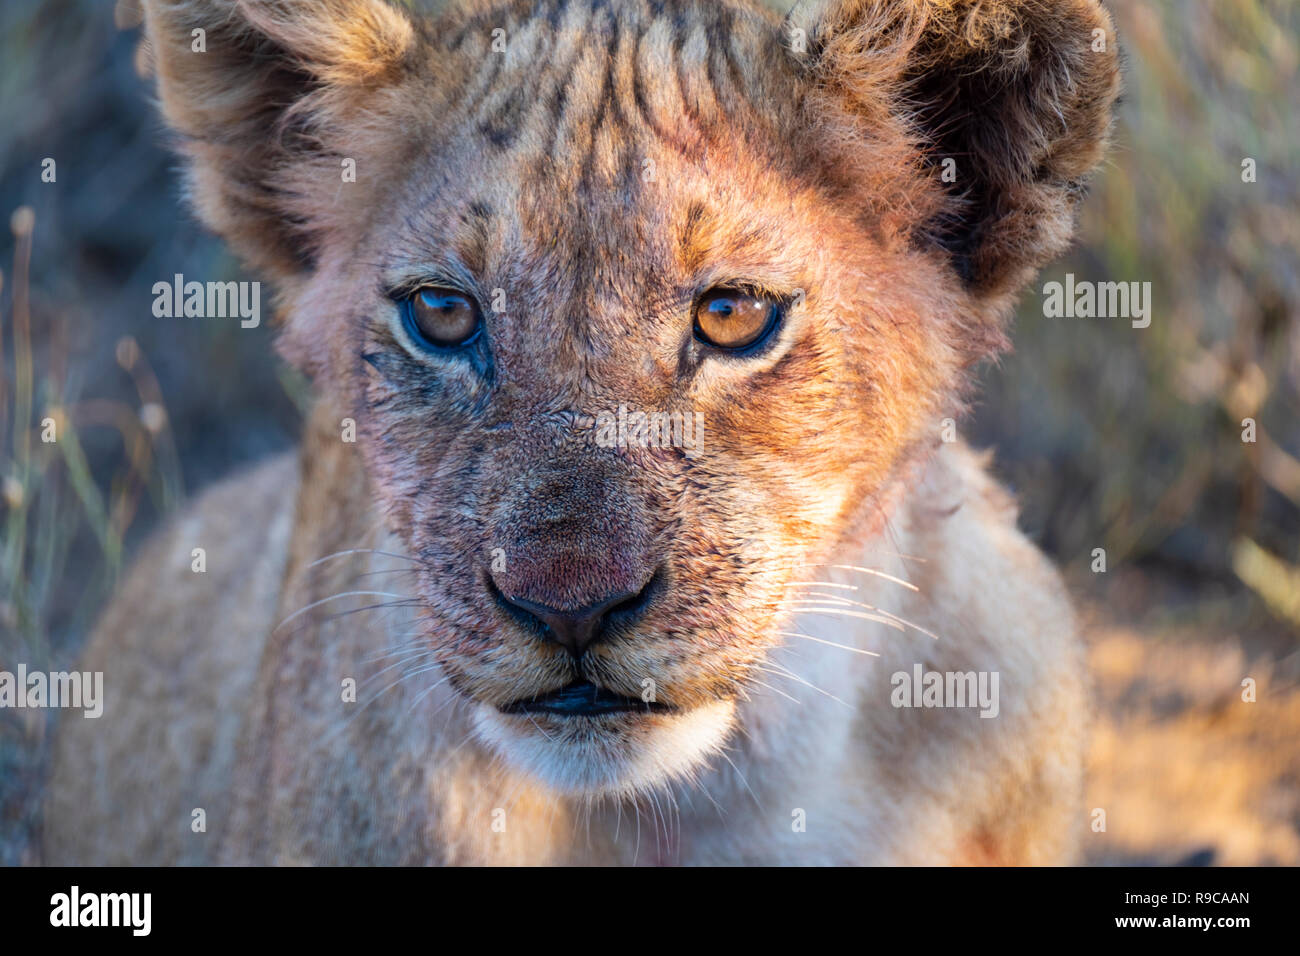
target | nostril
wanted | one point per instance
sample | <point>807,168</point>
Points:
<point>521,615</point>
<point>631,607</point>
<point>575,629</point>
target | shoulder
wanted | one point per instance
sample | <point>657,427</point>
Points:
<point>961,513</point>
<point>178,648</point>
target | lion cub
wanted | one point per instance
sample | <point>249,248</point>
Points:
<point>623,529</point>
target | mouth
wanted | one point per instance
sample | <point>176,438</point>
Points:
<point>583,699</point>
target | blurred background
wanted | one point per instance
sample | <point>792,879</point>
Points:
<point>1124,439</point>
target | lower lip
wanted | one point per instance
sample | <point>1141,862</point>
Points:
<point>582,700</point>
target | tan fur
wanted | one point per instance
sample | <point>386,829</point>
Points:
<point>813,175</point>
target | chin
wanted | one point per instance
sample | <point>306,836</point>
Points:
<point>612,755</point>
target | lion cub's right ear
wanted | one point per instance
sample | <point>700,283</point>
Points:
<point>1013,96</point>
<point>267,97</point>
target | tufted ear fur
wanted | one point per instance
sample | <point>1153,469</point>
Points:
<point>268,98</point>
<point>1017,94</point>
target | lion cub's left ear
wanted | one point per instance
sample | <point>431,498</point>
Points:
<point>1006,104</point>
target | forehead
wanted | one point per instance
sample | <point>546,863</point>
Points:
<point>549,75</point>
<point>605,124</point>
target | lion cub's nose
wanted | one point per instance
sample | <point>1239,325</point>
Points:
<point>578,628</point>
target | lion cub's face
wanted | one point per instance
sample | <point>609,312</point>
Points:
<point>641,308</point>
<point>627,376</point>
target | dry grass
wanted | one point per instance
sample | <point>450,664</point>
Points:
<point>58,516</point>
<point>1182,765</point>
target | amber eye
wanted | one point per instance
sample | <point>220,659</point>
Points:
<point>441,317</point>
<point>728,319</point>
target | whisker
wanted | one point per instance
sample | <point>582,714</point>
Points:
<point>843,647</point>
<point>822,584</point>
<point>696,784</point>
<point>387,554</point>
<point>783,672</point>
<point>774,690</point>
<point>901,620</point>
<point>454,699</point>
<point>348,723</point>
<point>655,816</point>
<point>539,728</point>
<point>842,612</point>
<point>407,659</point>
<point>852,567</point>
<point>880,574</point>
<point>366,574</point>
<point>869,607</point>
<point>726,757</point>
<point>402,648</point>
<point>335,597</point>
<point>636,851</point>
<point>423,694</point>
<point>817,599</point>
<point>383,605</point>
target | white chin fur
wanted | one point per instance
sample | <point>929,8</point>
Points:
<point>578,759</point>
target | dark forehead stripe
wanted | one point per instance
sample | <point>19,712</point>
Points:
<point>609,108</point>
<point>600,70</point>
<point>502,127</point>
<point>472,245</point>
<point>700,240</point>
<point>694,225</point>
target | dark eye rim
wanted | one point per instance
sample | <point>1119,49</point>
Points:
<point>406,304</point>
<point>775,317</point>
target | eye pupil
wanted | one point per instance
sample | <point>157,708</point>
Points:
<point>441,317</point>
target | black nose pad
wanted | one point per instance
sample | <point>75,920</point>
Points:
<point>577,629</point>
